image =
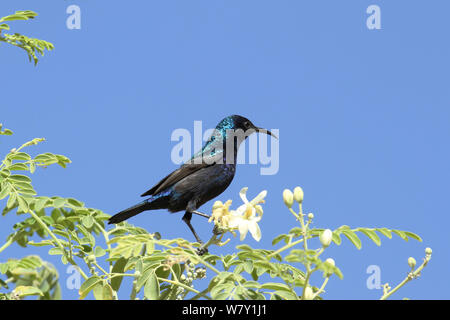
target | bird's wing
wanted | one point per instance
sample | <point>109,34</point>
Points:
<point>175,176</point>
<point>209,155</point>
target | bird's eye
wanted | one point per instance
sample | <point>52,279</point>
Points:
<point>246,124</point>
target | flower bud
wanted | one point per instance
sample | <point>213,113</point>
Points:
<point>309,295</point>
<point>298,194</point>
<point>288,198</point>
<point>330,261</point>
<point>325,237</point>
<point>428,251</point>
<point>310,216</point>
<point>411,262</point>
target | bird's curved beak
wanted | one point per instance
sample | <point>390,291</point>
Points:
<point>262,130</point>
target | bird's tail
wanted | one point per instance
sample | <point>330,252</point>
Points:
<point>149,204</point>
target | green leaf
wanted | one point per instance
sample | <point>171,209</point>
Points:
<point>23,205</point>
<point>99,252</point>
<point>41,244</point>
<point>143,278</point>
<point>39,204</point>
<point>5,191</point>
<point>275,286</point>
<point>248,266</point>
<point>14,17</point>
<point>222,291</point>
<point>19,178</point>
<point>75,202</point>
<point>280,237</point>
<point>19,156</point>
<point>252,284</point>
<point>59,202</point>
<point>413,236</point>
<point>24,291</point>
<point>401,234</point>
<point>18,166</point>
<point>352,237</point>
<point>87,221</point>
<point>118,267</point>
<point>11,200</point>
<point>336,238</point>
<point>151,288</point>
<point>385,232</point>
<point>55,251</point>
<point>244,247</point>
<point>371,234</point>
<point>286,295</point>
<point>103,291</point>
<point>296,231</point>
<point>87,286</point>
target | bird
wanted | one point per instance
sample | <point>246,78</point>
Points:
<point>204,177</point>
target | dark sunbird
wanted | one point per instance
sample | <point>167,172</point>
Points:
<point>205,176</point>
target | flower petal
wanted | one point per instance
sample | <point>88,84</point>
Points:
<point>259,209</point>
<point>254,230</point>
<point>259,198</point>
<point>241,209</point>
<point>243,229</point>
<point>234,221</point>
<point>243,194</point>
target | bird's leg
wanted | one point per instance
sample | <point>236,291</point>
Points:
<point>201,214</point>
<point>187,219</point>
<point>190,208</point>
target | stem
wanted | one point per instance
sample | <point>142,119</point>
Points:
<point>58,243</point>
<point>211,241</point>
<point>182,285</point>
<point>294,213</point>
<point>193,254</point>
<point>7,244</point>
<point>205,263</point>
<point>201,294</point>
<point>133,291</point>
<point>289,245</point>
<point>305,247</point>
<point>99,267</point>
<point>409,277</point>
<point>106,236</point>
<point>322,288</point>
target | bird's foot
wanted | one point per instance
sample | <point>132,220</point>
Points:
<point>218,231</point>
<point>202,250</point>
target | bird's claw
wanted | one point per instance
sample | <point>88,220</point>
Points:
<point>201,251</point>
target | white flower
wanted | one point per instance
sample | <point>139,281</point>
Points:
<point>325,237</point>
<point>288,198</point>
<point>330,261</point>
<point>247,216</point>
<point>221,214</point>
<point>411,262</point>
<point>298,194</point>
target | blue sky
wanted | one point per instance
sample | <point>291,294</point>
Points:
<point>363,115</point>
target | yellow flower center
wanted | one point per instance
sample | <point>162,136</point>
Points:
<point>248,213</point>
